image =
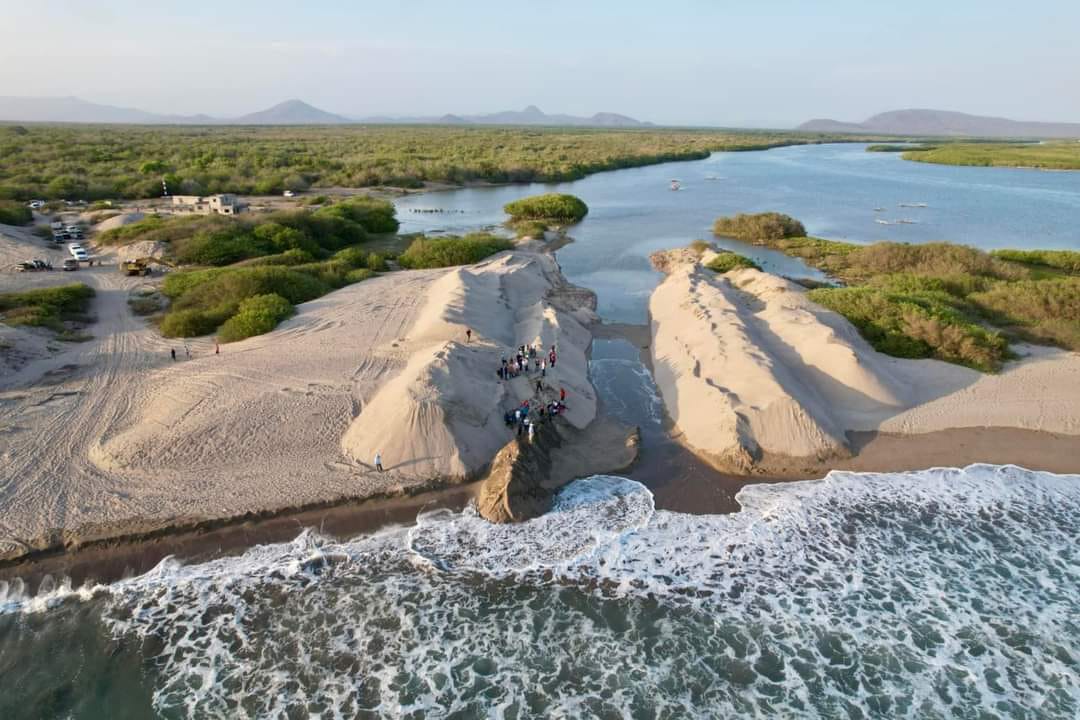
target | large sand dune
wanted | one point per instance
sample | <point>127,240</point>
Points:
<point>112,436</point>
<point>753,372</point>
<point>442,416</point>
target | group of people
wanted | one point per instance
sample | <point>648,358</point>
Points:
<point>525,420</point>
<point>526,355</point>
<point>187,351</point>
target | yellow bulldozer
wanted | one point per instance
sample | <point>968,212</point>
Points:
<point>140,266</point>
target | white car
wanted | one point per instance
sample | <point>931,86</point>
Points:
<point>289,193</point>
<point>37,204</point>
<point>78,252</point>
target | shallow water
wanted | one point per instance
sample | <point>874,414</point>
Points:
<point>833,189</point>
<point>938,594</point>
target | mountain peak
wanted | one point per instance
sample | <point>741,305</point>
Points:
<point>922,121</point>
<point>291,112</point>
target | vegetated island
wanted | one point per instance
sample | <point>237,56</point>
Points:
<point>531,217</point>
<point>761,375</point>
<point>1044,156</point>
<point>131,162</point>
<point>950,302</point>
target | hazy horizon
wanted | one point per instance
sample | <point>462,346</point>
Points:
<point>691,63</point>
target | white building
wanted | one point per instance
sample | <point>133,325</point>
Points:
<point>223,204</point>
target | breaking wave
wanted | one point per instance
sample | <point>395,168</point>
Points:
<point>942,593</point>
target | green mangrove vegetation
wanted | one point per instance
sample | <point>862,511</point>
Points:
<point>448,250</point>
<point>15,213</point>
<point>559,207</point>
<point>726,260</point>
<point>945,301</point>
<point>47,307</point>
<point>759,226</point>
<point>56,162</point>
<point>1064,155</point>
<point>223,240</point>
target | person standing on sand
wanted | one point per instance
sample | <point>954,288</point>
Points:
<point>187,350</point>
<point>468,335</point>
<point>378,461</point>
<point>173,352</point>
<point>217,349</point>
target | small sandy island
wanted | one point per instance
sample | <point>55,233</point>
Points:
<point>757,378</point>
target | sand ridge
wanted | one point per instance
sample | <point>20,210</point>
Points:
<point>749,368</point>
<point>442,416</point>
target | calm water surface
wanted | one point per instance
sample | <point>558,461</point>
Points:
<point>833,189</point>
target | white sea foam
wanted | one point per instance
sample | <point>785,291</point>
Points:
<point>944,593</point>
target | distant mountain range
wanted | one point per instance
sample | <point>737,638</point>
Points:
<point>943,122</point>
<point>531,115</point>
<point>290,112</point>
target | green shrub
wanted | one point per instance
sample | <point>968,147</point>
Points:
<point>1065,260</point>
<point>145,304</point>
<point>46,307</point>
<point>256,315</point>
<point>530,228</point>
<point>760,226</point>
<point>450,250</point>
<point>204,299</point>
<point>1037,310</point>
<point>358,275</point>
<point>552,206</point>
<point>192,322</point>
<point>374,215</point>
<point>915,325</point>
<point>15,213</point>
<point>726,261</point>
<point>289,257</point>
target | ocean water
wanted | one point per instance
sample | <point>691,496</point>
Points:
<point>833,189</point>
<point>946,593</point>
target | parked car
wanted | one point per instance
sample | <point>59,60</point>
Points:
<point>289,193</point>
<point>73,228</point>
<point>37,204</point>
<point>71,264</point>
<point>57,225</point>
<point>78,252</point>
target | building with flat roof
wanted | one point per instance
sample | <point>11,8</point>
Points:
<point>223,204</point>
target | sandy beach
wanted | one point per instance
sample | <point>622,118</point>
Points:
<point>112,438</point>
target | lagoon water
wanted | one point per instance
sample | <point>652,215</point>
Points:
<point>939,594</point>
<point>832,189</point>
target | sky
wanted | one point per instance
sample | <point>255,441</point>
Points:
<point>770,63</point>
